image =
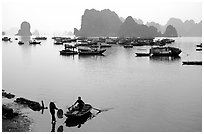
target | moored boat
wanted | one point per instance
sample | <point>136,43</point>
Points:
<point>20,42</point>
<point>6,39</point>
<point>69,50</point>
<point>90,51</point>
<point>34,42</point>
<point>192,62</point>
<point>40,38</point>
<point>142,54</point>
<point>165,51</point>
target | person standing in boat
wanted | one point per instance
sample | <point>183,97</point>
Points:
<point>80,103</point>
<point>52,111</point>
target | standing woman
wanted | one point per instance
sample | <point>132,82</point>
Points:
<point>52,111</point>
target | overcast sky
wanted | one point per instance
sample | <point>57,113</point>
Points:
<point>64,15</point>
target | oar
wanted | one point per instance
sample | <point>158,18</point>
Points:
<point>96,109</point>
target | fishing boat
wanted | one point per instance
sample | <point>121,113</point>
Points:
<point>142,54</point>
<point>69,50</point>
<point>20,42</point>
<point>164,51</point>
<point>192,62</point>
<point>40,38</point>
<point>6,39</point>
<point>34,42</point>
<point>74,112</point>
<point>90,51</point>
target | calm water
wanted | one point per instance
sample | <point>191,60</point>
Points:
<point>140,93</point>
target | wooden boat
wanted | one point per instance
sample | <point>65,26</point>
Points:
<point>69,50</point>
<point>164,51</point>
<point>90,51</point>
<point>142,54</point>
<point>6,39</point>
<point>40,38</point>
<point>34,42</point>
<point>198,49</point>
<point>74,112</point>
<point>200,45</point>
<point>20,42</point>
<point>192,62</point>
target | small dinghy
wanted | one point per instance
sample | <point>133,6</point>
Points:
<point>74,112</point>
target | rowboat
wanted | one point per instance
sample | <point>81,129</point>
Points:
<point>74,112</point>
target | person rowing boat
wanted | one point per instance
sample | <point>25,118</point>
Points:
<point>80,104</point>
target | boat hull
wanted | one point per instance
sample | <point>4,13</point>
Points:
<point>76,114</point>
<point>165,51</point>
<point>68,52</point>
<point>100,52</point>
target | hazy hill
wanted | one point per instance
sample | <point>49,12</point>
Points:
<point>170,32</point>
<point>132,29</point>
<point>99,23</point>
<point>187,28</point>
<point>107,23</point>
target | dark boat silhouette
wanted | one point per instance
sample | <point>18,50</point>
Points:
<point>34,42</point>
<point>78,121</point>
<point>69,50</point>
<point>74,112</point>
<point>90,51</point>
<point>165,51</point>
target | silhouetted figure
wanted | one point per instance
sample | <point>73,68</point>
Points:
<point>52,111</point>
<point>25,29</point>
<point>80,103</point>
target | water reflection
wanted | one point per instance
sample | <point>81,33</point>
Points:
<point>53,126</point>
<point>164,58</point>
<point>79,121</point>
<point>25,39</point>
<point>59,129</point>
<point>91,56</point>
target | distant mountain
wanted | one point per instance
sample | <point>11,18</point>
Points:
<point>187,28</point>
<point>132,29</point>
<point>157,25</point>
<point>24,29</point>
<point>122,19</point>
<point>107,23</point>
<point>170,32</point>
<point>138,21</point>
<point>99,23</point>
<point>36,33</point>
<point>76,32</point>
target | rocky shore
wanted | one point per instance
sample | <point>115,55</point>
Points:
<point>13,119</point>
